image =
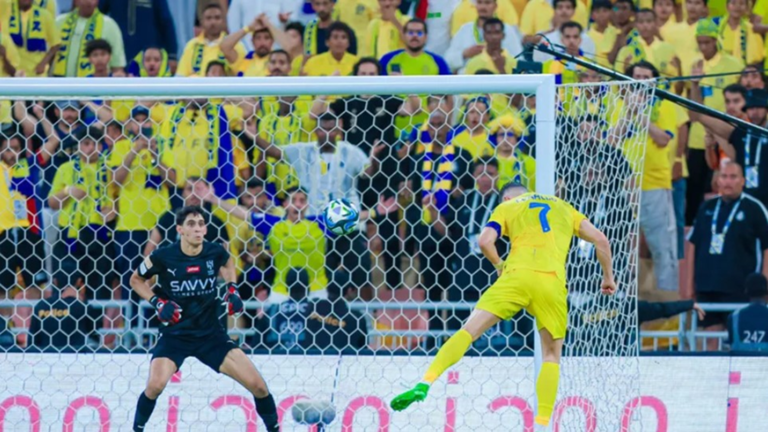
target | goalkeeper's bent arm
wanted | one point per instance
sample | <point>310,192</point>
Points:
<point>588,232</point>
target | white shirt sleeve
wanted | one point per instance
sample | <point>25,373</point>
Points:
<point>461,41</point>
<point>512,41</point>
<point>588,46</point>
<point>235,16</point>
<point>356,160</point>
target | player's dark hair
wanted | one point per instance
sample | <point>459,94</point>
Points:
<point>338,26</point>
<point>511,185</point>
<point>487,161</point>
<point>493,21</point>
<point>280,52</point>
<point>736,88</point>
<point>755,68</point>
<point>571,24</point>
<point>628,2</point>
<point>96,45</point>
<point>213,64</point>
<point>756,286</point>
<point>183,213</point>
<point>366,60</point>
<point>601,4</point>
<point>416,21</point>
<point>555,2</point>
<point>255,183</point>
<point>644,65</point>
<point>647,10</point>
<point>114,124</point>
<point>295,25</point>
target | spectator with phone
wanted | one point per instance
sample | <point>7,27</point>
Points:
<point>748,326</point>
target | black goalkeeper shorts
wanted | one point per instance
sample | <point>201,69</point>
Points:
<point>210,350</point>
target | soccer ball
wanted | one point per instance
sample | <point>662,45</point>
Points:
<point>310,412</point>
<point>341,217</point>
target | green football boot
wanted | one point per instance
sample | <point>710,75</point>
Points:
<point>404,400</point>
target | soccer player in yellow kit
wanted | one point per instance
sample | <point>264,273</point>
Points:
<point>540,229</point>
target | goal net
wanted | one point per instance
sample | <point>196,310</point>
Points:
<point>96,172</point>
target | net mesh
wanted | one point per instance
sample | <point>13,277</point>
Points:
<point>347,319</point>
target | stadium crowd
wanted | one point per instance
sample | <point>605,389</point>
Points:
<point>90,186</point>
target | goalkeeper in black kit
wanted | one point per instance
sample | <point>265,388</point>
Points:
<point>187,303</point>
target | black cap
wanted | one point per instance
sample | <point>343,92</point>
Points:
<point>756,285</point>
<point>756,98</point>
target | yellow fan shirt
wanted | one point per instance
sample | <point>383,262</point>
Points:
<point>142,198</point>
<point>732,41</point>
<point>326,65</point>
<point>466,12</point>
<point>357,14</point>
<point>382,37</point>
<point>656,167</point>
<point>603,43</point>
<point>537,17</point>
<point>484,61</point>
<point>199,52</point>
<point>712,90</point>
<point>659,53</point>
<point>28,60</point>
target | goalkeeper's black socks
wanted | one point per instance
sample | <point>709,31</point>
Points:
<point>144,409</point>
<point>268,412</point>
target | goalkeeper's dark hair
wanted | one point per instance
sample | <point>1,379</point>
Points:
<point>366,60</point>
<point>493,21</point>
<point>96,45</point>
<point>629,2</point>
<point>487,161</point>
<point>213,64</point>
<point>416,21</point>
<point>643,65</point>
<point>338,26</point>
<point>280,52</point>
<point>295,25</point>
<point>601,4</point>
<point>555,2</point>
<point>571,24</point>
<point>511,186</point>
<point>647,10</point>
<point>256,183</point>
<point>736,88</point>
<point>183,213</point>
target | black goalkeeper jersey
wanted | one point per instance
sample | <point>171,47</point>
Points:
<point>191,282</point>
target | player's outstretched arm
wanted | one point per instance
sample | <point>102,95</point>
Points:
<point>487,243</point>
<point>208,195</point>
<point>588,232</point>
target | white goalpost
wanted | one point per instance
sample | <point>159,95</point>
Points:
<point>586,146</point>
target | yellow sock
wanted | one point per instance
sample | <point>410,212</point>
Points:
<point>450,353</point>
<point>546,392</point>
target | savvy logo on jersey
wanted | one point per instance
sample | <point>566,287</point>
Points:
<point>193,286</point>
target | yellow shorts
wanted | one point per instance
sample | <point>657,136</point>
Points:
<point>543,295</point>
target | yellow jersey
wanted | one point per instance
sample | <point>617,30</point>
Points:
<point>199,52</point>
<point>537,17</point>
<point>712,90</point>
<point>466,12</point>
<point>357,14</point>
<point>326,65</point>
<point>476,144</point>
<point>741,42</point>
<point>603,43</point>
<point>302,245</point>
<point>251,65</point>
<point>656,167</point>
<point>683,36</point>
<point>382,37</point>
<point>7,201</point>
<point>484,61</point>
<point>659,53</point>
<point>142,198</point>
<point>34,33</point>
<point>94,179</point>
<point>540,228</point>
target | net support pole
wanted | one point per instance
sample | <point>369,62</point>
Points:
<point>546,107</point>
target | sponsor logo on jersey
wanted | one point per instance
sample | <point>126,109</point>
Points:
<point>194,286</point>
<point>193,269</point>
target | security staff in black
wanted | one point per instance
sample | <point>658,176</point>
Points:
<point>730,239</point>
<point>748,326</point>
<point>746,146</point>
<point>187,304</point>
